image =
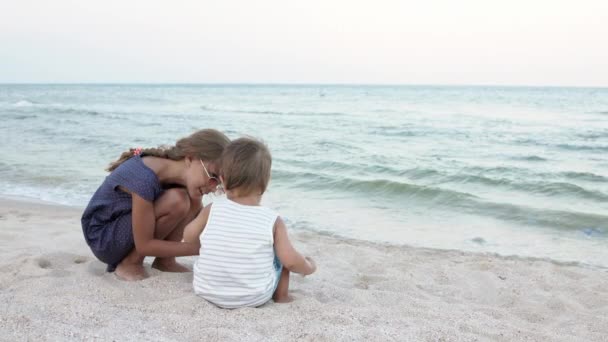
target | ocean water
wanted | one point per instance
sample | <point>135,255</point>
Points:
<point>508,170</point>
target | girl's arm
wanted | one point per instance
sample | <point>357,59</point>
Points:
<point>144,224</point>
<point>193,230</point>
<point>288,256</point>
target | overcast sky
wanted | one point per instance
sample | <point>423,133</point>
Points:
<point>504,42</point>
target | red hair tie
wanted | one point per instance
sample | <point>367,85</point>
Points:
<point>137,151</point>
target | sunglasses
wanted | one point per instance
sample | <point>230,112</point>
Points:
<point>213,180</point>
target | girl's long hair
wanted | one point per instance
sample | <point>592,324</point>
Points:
<point>206,144</point>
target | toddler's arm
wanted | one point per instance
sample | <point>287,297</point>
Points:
<point>193,230</point>
<point>289,257</point>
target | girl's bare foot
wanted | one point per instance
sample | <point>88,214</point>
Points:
<point>169,265</point>
<point>130,272</point>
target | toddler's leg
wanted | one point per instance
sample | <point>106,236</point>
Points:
<point>281,294</point>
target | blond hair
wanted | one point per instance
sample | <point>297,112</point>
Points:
<point>246,164</point>
<point>206,144</point>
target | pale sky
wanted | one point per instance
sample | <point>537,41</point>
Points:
<point>506,42</point>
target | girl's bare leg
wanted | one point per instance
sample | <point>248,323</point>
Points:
<point>131,268</point>
<point>170,209</point>
<point>176,232</point>
<point>281,294</point>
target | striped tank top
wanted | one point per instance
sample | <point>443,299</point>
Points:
<point>235,267</point>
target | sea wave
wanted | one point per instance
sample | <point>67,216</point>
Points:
<point>394,132</point>
<point>25,107</point>
<point>268,112</point>
<point>493,176</point>
<point>587,176</point>
<point>549,189</point>
<point>563,189</point>
<point>593,135</point>
<point>532,158</point>
<point>70,110</point>
<point>437,198</point>
<point>555,219</point>
<point>577,147</point>
<point>580,147</point>
<point>17,116</point>
<point>368,187</point>
<point>24,103</point>
<point>365,168</point>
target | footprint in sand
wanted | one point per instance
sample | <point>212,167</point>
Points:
<point>365,281</point>
<point>60,260</point>
<point>96,268</point>
<point>80,259</point>
<point>44,263</point>
<point>23,217</point>
<point>5,237</point>
<point>58,264</point>
<point>321,297</point>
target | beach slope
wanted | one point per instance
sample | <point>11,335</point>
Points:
<point>52,288</point>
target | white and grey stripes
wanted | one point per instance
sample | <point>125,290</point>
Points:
<point>235,267</point>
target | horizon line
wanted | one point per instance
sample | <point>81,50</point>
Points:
<point>304,84</point>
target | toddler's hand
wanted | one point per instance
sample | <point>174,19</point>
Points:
<point>313,265</point>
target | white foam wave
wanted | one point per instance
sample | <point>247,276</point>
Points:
<point>23,103</point>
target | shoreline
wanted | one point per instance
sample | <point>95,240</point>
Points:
<point>25,201</point>
<point>53,288</point>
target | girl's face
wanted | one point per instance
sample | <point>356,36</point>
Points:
<point>202,178</point>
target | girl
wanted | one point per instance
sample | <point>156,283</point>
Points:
<point>142,207</point>
<point>245,252</point>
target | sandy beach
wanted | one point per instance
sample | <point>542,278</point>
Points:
<point>52,288</point>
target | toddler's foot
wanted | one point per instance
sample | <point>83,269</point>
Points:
<point>130,272</point>
<point>169,265</point>
<point>281,294</point>
<point>282,299</point>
